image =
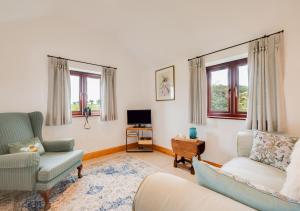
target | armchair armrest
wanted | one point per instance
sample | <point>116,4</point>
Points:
<point>64,145</point>
<point>19,160</point>
<point>244,143</point>
<point>18,171</point>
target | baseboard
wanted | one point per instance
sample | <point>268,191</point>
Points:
<point>213,164</point>
<point>96,154</point>
<point>108,151</point>
<point>163,150</point>
<point>170,153</point>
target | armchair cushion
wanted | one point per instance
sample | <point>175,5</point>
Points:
<point>53,164</point>
<point>19,160</point>
<point>64,145</point>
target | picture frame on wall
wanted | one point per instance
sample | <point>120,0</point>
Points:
<point>165,83</point>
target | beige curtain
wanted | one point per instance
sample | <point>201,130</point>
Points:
<point>266,107</point>
<point>59,93</point>
<point>198,91</point>
<point>108,94</point>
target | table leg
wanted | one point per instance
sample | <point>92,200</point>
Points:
<point>175,161</point>
<point>192,170</point>
<point>182,160</point>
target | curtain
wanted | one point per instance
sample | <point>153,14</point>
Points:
<point>266,107</point>
<point>59,93</point>
<point>108,94</point>
<point>198,91</point>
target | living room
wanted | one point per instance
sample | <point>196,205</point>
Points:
<point>128,47</point>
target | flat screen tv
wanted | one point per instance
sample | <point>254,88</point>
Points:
<point>138,117</point>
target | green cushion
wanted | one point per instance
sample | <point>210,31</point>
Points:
<point>52,164</point>
<point>31,145</point>
<point>238,190</point>
<point>43,186</point>
<point>14,127</point>
<point>63,145</point>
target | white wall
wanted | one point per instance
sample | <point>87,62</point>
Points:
<point>171,118</point>
<point>23,76</point>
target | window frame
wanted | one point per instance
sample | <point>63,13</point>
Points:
<point>83,91</point>
<point>233,90</point>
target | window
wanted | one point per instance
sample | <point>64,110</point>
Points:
<point>85,92</point>
<point>228,90</point>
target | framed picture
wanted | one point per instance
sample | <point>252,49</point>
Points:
<point>165,83</point>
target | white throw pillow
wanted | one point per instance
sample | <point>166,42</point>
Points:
<point>291,187</point>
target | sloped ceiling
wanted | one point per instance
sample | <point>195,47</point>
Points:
<point>158,32</point>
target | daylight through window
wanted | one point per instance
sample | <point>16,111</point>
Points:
<point>228,90</point>
<point>85,92</point>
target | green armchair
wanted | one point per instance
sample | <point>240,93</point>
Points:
<point>30,171</point>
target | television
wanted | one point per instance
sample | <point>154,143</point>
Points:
<point>138,117</point>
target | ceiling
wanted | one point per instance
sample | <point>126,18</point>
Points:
<point>159,32</point>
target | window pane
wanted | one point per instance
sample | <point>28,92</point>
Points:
<point>243,88</point>
<point>219,90</point>
<point>75,93</point>
<point>93,93</point>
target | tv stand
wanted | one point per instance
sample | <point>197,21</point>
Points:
<point>142,137</point>
<point>139,126</point>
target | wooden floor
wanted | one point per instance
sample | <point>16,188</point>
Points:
<point>158,159</point>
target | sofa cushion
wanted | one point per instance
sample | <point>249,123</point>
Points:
<point>272,149</point>
<point>241,190</point>
<point>291,187</point>
<point>52,164</point>
<point>256,172</point>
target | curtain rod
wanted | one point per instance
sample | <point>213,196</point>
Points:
<point>236,45</point>
<point>72,60</point>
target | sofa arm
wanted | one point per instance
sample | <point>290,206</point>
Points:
<point>19,160</point>
<point>244,143</point>
<point>64,145</point>
<point>161,191</point>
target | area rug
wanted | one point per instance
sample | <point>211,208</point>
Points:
<point>107,185</point>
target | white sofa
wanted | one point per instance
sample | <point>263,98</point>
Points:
<point>164,192</point>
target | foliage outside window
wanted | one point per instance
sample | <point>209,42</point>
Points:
<point>228,90</point>
<point>85,93</point>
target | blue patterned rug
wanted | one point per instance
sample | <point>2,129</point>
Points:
<point>107,185</point>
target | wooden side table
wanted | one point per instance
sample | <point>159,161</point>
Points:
<point>187,149</point>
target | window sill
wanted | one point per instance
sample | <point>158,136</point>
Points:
<point>227,117</point>
<point>93,115</point>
